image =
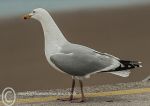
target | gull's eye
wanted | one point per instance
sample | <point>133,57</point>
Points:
<point>33,11</point>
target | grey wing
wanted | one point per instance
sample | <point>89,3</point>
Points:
<point>80,64</point>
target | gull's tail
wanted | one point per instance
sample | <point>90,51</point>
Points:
<point>124,69</point>
<point>126,65</point>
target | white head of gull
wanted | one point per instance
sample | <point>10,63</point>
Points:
<point>77,60</point>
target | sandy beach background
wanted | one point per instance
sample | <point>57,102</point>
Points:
<point>123,32</point>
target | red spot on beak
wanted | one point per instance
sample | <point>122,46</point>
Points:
<point>27,17</point>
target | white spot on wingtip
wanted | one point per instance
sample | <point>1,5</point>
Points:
<point>139,62</point>
<point>140,66</point>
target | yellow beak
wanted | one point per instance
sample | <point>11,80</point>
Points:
<point>27,16</point>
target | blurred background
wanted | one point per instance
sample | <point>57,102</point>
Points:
<point>118,27</point>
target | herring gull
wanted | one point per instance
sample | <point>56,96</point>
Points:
<point>76,60</point>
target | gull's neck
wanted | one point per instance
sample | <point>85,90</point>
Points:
<point>54,38</point>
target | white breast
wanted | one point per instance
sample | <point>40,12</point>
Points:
<point>51,50</point>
